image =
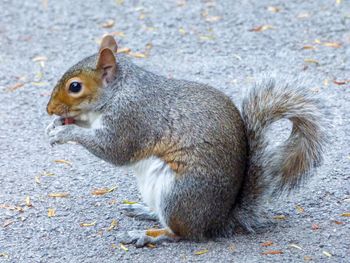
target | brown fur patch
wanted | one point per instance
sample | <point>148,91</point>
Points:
<point>159,232</point>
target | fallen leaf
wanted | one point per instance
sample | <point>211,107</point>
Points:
<point>108,23</point>
<point>51,212</point>
<point>340,82</point>
<point>261,28</point>
<point>326,253</point>
<point>280,217</point>
<point>103,191</point>
<point>137,55</point>
<point>181,2</point>
<point>273,9</point>
<point>295,246</point>
<point>299,209</point>
<point>317,41</point>
<point>39,83</point>
<point>345,214</point>
<point>338,222</point>
<point>149,245</point>
<point>310,60</point>
<point>117,34</point>
<point>182,31</point>
<point>123,247</point>
<point>338,2</point>
<point>326,82</point>
<point>267,244</point>
<point>28,202</point>
<point>119,2</point>
<point>127,202</point>
<point>123,50</point>
<point>64,162</point>
<point>12,207</point>
<point>206,37</point>
<point>315,227</point>
<point>332,44</point>
<point>308,47</point>
<point>113,225</point>
<point>7,223</point>
<point>45,173</point>
<point>37,179</point>
<point>39,58</point>
<point>201,252</point>
<point>232,248</point>
<point>272,252</point>
<point>14,87</point>
<point>4,255</point>
<point>58,195</point>
<point>307,258</point>
<point>213,18</point>
<point>88,224</point>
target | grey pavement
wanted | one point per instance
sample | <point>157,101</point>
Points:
<point>227,44</point>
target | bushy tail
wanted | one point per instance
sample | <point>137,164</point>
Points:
<point>273,171</point>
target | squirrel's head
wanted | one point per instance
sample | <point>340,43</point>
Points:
<point>81,85</point>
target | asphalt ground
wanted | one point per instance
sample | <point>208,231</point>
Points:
<point>227,44</point>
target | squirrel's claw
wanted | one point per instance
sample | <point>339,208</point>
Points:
<point>139,211</point>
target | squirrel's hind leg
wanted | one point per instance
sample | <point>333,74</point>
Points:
<point>139,211</point>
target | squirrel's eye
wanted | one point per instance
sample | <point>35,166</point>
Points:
<point>75,87</point>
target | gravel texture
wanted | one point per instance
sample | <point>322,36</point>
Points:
<point>207,41</point>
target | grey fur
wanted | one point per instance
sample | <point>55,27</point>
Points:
<point>220,186</point>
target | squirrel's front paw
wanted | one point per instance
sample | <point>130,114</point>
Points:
<point>54,124</point>
<point>61,134</point>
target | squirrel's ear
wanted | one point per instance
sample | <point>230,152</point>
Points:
<point>109,42</point>
<point>107,63</point>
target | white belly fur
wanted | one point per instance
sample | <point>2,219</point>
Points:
<point>155,179</point>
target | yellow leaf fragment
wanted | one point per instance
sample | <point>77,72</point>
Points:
<point>28,202</point>
<point>295,246</point>
<point>332,44</point>
<point>64,162</point>
<point>123,247</point>
<point>103,191</point>
<point>4,255</point>
<point>345,214</point>
<point>326,253</point>
<point>182,31</point>
<point>127,202</point>
<point>124,50</point>
<point>317,41</point>
<point>116,34</point>
<point>338,2</point>
<point>273,9</point>
<point>326,82</point>
<point>311,61</point>
<point>206,37</point>
<point>45,173</point>
<point>11,207</point>
<point>88,224</point>
<point>149,245</point>
<point>137,55</point>
<point>113,225</point>
<point>39,58</point>
<point>261,28</point>
<point>213,18</point>
<point>307,258</point>
<point>280,217</point>
<point>39,83</point>
<point>201,252</point>
<point>51,212</point>
<point>37,179</point>
<point>309,47</point>
<point>119,2</point>
<point>299,209</point>
<point>58,195</point>
<point>108,23</point>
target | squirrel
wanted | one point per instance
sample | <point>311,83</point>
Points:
<point>203,167</point>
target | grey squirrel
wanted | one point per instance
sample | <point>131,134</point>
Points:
<point>202,167</point>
